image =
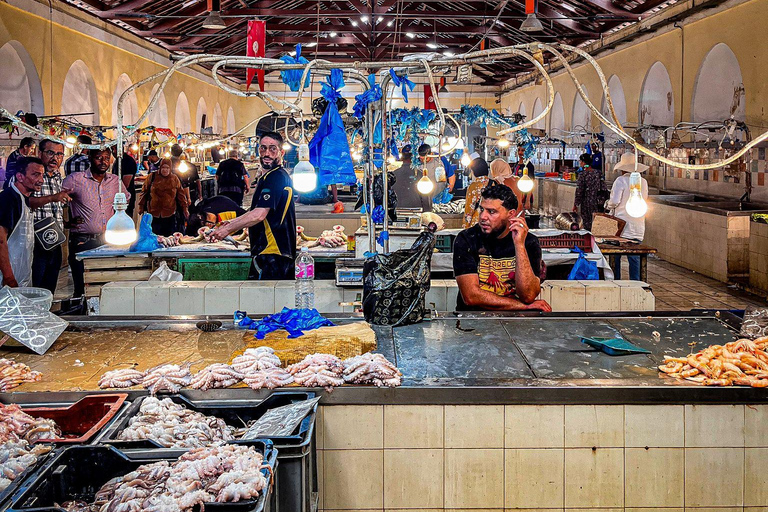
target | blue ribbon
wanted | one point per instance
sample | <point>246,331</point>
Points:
<point>368,97</point>
<point>292,77</point>
<point>383,236</point>
<point>402,82</point>
<point>331,85</point>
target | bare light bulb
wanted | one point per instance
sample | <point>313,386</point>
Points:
<point>71,142</point>
<point>135,147</point>
<point>636,206</point>
<point>286,146</point>
<point>304,176</point>
<point>425,185</point>
<point>502,143</point>
<point>525,183</point>
<point>221,152</point>
<point>167,154</point>
<point>465,159</point>
<point>120,227</point>
<point>183,166</point>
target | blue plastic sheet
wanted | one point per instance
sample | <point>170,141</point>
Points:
<point>329,148</point>
<point>147,241</point>
<point>402,82</point>
<point>443,197</point>
<point>295,321</point>
<point>292,77</point>
<point>583,269</point>
<point>368,97</point>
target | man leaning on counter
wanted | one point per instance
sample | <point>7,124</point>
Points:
<point>497,261</point>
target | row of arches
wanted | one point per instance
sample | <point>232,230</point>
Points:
<point>718,93</point>
<point>21,89</point>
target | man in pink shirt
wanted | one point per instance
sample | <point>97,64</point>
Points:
<point>92,194</point>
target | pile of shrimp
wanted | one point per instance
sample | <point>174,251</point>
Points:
<point>741,363</point>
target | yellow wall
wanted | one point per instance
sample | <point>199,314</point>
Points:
<point>741,27</point>
<point>106,63</point>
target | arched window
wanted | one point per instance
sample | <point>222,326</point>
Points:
<point>79,95</point>
<point>19,82</point>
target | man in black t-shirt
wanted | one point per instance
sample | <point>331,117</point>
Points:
<point>494,260</point>
<point>232,178</point>
<point>272,219</point>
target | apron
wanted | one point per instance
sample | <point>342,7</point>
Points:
<point>21,244</point>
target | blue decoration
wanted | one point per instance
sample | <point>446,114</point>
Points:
<point>371,95</point>
<point>147,241</point>
<point>292,77</point>
<point>329,147</point>
<point>383,236</point>
<point>295,321</point>
<point>402,82</point>
<point>378,215</point>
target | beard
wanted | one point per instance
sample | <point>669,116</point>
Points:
<point>495,232</point>
<point>274,164</point>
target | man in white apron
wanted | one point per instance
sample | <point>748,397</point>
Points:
<point>17,230</point>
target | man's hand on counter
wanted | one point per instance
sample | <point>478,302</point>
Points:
<point>540,305</point>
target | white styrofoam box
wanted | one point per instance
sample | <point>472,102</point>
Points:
<point>188,298</point>
<point>602,296</point>
<point>222,297</point>
<point>436,296</point>
<point>636,296</point>
<point>568,296</point>
<point>546,292</point>
<point>285,295</point>
<point>153,298</point>
<point>117,298</point>
<point>257,297</point>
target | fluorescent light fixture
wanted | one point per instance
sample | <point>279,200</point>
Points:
<point>432,46</point>
<point>354,23</point>
<point>364,18</point>
<point>310,45</point>
<point>448,54</point>
<point>332,34</point>
<point>390,23</point>
<point>214,21</point>
<point>410,34</point>
<point>379,19</point>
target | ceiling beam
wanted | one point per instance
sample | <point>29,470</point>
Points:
<point>608,5</point>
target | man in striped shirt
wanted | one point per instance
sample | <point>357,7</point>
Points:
<point>93,193</point>
<point>78,162</point>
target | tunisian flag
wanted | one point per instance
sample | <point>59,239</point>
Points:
<point>257,35</point>
<point>429,100</point>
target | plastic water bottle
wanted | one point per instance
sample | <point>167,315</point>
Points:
<point>305,280</point>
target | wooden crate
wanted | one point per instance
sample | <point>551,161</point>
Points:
<point>99,271</point>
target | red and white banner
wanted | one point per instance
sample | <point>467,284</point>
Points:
<point>257,35</point>
<point>429,100</point>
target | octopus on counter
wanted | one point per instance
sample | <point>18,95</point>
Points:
<point>371,368</point>
<point>16,424</point>
<point>328,361</point>
<point>270,378</point>
<point>174,426</point>
<point>215,376</point>
<point>219,474</point>
<point>318,376</point>
<point>13,374</point>
<point>256,359</point>
<point>123,378</point>
<point>167,377</point>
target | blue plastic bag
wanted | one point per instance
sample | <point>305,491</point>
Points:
<point>583,269</point>
<point>147,241</point>
<point>329,148</point>
<point>295,321</point>
<point>292,77</point>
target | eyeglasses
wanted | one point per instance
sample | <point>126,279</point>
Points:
<point>271,149</point>
<point>51,154</point>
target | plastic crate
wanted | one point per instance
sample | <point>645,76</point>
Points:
<point>296,486</point>
<point>78,472</point>
<point>81,421</point>
<point>444,243</point>
<point>9,491</point>
<point>566,241</point>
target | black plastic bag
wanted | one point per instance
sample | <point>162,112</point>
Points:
<point>378,194</point>
<point>395,285</point>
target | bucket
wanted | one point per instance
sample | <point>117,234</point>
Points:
<point>38,296</point>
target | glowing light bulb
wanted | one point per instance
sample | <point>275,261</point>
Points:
<point>167,154</point>
<point>525,183</point>
<point>465,159</point>
<point>71,142</point>
<point>391,159</point>
<point>120,227</point>
<point>286,146</point>
<point>135,147</point>
<point>304,177</point>
<point>183,166</point>
<point>636,206</point>
<point>425,185</point>
<point>222,152</point>
<point>446,145</point>
<point>502,143</point>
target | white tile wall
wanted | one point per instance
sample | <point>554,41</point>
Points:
<point>222,297</point>
<point>152,298</point>
<point>188,298</point>
<point>118,298</point>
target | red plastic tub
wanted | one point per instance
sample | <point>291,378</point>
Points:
<point>82,420</point>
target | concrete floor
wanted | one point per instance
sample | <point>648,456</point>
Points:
<point>675,288</point>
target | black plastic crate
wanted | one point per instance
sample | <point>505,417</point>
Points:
<point>6,493</point>
<point>236,413</point>
<point>78,472</point>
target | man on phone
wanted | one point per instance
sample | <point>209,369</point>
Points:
<point>494,260</point>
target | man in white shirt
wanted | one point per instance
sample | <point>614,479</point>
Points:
<point>635,227</point>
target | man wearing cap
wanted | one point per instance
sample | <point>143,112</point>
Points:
<point>152,162</point>
<point>635,228</point>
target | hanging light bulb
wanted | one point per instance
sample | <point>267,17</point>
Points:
<point>167,154</point>
<point>222,152</point>
<point>135,147</point>
<point>425,185</point>
<point>71,142</point>
<point>304,177</point>
<point>183,166</point>
<point>465,159</point>
<point>287,146</point>
<point>636,205</point>
<point>525,183</point>
<point>446,145</point>
<point>502,143</point>
<point>120,227</point>
<point>391,159</point>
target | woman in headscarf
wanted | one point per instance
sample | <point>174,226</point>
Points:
<point>479,169</point>
<point>502,174</point>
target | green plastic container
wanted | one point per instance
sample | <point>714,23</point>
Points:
<point>219,269</point>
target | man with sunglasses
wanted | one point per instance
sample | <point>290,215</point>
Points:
<point>272,219</point>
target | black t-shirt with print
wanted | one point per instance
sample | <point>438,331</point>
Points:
<point>277,233</point>
<point>492,259</point>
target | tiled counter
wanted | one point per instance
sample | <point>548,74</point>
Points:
<point>143,298</point>
<point>758,257</point>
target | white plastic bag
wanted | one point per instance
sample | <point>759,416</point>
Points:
<point>163,273</point>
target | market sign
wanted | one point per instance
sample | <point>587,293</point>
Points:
<point>28,323</point>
